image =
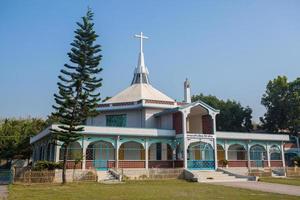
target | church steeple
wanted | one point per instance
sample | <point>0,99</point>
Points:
<point>141,72</point>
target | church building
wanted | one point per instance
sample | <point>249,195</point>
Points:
<point>143,128</point>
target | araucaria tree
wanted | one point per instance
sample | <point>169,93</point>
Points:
<point>78,94</point>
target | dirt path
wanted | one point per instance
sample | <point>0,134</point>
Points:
<point>3,192</point>
<point>265,187</point>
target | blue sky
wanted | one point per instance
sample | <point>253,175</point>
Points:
<point>230,49</point>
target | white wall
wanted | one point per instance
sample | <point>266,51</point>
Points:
<point>134,118</point>
<point>167,121</point>
<point>195,124</point>
<point>152,151</point>
<point>150,120</point>
<point>103,152</point>
<point>132,151</point>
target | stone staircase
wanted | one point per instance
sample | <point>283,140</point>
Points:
<point>214,176</point>
<point>278,173</point>
<point>106,177</point>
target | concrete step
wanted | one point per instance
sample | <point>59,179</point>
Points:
<point>106,176</point>
<point>223,180</point>
<point>215,176</point>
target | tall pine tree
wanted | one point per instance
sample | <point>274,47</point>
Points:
<point>78,95</point>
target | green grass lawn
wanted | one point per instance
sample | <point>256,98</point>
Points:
<point>287,181</point>
<point>168,189</point>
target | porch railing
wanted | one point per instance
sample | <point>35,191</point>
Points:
<point>201,164</point>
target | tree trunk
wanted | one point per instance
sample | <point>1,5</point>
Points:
<point>64,180</point>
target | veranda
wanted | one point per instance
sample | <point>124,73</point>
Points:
<point>102,153</point>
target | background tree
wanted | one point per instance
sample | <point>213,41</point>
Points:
<point>78,97</point>
<point>233,116</point>
<point>282,102</point>
<point>15,135</point>
<point>294,106</point>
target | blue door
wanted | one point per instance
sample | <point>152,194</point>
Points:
<point>257,155</point>
<point>101,156</point>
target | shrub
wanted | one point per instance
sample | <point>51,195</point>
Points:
<point>224,162</point>
<point>144,176</point>
<point>297,161</point>
<point>46,165</point>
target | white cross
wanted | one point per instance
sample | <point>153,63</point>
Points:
<point>141,36</point>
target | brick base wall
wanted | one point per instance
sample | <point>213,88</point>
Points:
<point>237,163</point>
<point>89,164</point>
<point>276,163</point>
<point>70,165</point>
<point>161,164</point>
<point>178,163</point>
<point>254,164</point>
<point>131,164</point>
<point>138,164</point>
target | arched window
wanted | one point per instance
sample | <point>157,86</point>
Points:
<point>237,152</point>
<point>275,153</point>
<point>100,150</point>
<point>258,152</point>
<point>131,151</point>
<point>200,151</point>
<point>220,152</point>
<point>41,157</point>
<point>160,151</point>
<point>74,152</point>
<point>48,152</point>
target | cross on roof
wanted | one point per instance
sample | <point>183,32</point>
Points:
<point>141,36</point>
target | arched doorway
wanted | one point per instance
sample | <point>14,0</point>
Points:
<point>48,152</point>
<point>100,155</point>
<point>200,156</point>
<point>131,155</point>
<point>220,154</point>
<point>257,155</point>
<point>237,156</point>
<point>160,155</point>
<point>237,152</point>
<point>74,155</point>
<point>41,154</point>
<point>74,152</point>
<point>275,153</point>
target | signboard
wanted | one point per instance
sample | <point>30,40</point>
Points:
<point>200,136</point>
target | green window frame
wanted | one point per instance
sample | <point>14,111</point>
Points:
<point>116,120</point>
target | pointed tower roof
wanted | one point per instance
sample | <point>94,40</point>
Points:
<point>140,86</point>
<point>141,72</point>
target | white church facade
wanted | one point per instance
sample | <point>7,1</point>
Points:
<point>141,127</point>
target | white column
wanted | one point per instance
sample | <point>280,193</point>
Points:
<point>57,150</point>
<point>173,155</point>
<point>248,155</point>
<point>216,153</point>
<point>84,147</point>
<point>226,151</point>
<point>214,123</point>
<point>146,154</point>
<point>184,140</point>
<point>117,152</point>
<point>282,158</point>
<point>268,155</point>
